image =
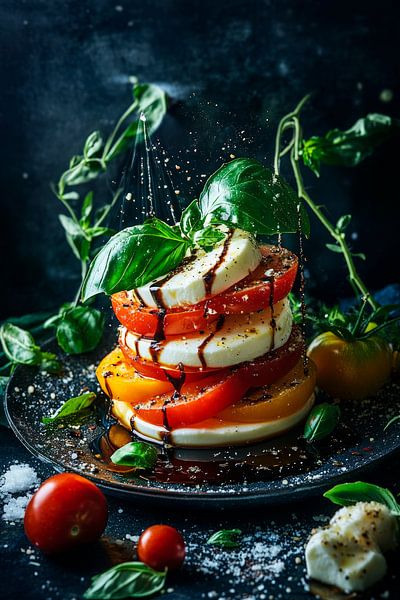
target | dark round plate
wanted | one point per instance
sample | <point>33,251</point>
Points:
<point>284,469</point>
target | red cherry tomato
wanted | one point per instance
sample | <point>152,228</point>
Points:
<point>67,510</point>
<point>249,295</point>
<point>161,547</point>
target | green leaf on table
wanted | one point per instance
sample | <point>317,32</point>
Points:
<point>348,148</point>
<point>92,145</point>
<point>391,421</point>
<point>79,329</point>
<point>150,100</point>
<point>321,421</point>
<point>227,538</point>
<point>133,257</point>
<point>126,580</point>
<point>346,494</point>
<point>72,407</point>
<point>245,194</point>
<point>136,454</point>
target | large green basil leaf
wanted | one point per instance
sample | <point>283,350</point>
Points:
<point>227,538</point>
<point>348,148</point>
<point>245,194</point>
<point>136,454</point>
<point>152,101</point>
<point>126,580</point>
<point>321,421</point>
<point>346,494</point>
<point>133,257</point>
<point>79,329</point>
<point>72,407</point>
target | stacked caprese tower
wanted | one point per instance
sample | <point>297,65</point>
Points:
<point>208,354</point>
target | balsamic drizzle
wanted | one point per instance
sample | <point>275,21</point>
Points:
<point>209,277</point>
<point>203,345</point>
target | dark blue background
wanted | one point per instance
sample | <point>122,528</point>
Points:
<point>64,71</point>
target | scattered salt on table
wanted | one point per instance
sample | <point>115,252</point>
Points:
<point>19,479</point>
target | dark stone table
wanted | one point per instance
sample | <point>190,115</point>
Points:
<point>268,566</point>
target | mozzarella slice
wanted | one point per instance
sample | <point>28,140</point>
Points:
<point>239,339</point>
<point>213,432</point>
<point>209,273</point>
<point>348,553</point>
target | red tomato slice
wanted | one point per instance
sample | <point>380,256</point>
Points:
<point>249,295</point>
<point>196,402</point>
<point>261,371</point>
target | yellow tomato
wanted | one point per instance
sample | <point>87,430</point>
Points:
<point>277,400</point>
<point>120,380</point>
<point>351,369</point>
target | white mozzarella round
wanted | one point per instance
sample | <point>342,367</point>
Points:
<point>241,338</point>
<point>213,432</point>
<point>229,262</point>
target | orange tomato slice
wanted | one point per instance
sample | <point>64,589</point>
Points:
<point>120,380</point>
<point>277,400</point>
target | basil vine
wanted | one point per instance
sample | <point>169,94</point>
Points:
<point>72,408</point>
<point>321,421</point>
<point>126,580</point>
<point>136,454</point>
<point>346,494</point>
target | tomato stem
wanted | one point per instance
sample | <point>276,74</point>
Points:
<point>292,121</point>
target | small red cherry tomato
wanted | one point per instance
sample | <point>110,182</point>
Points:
<point>161,547</point>
<point>67,510</point>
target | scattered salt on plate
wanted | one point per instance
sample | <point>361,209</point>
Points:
<point>19,479</point>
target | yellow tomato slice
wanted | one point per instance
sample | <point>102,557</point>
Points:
<point>280,399</point>
<point>121,381</point>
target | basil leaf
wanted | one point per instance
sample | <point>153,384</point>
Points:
<point>133,257</point>
<point>334,248</point>
<point>76,237</point>
<point>86,210</point>
<point>207,238</point>
<point>343,222</point>
<point>391,421</point>
<point>84,171</point>
<point>227,538</point>
<point>348,148</point>
<point>19,345</point>
<point>126,580</point>
<point>191,218</point>
<point>346,494</point>
<point>92,145</point>
<point>73,406</point>
<point>245,194</point>
<point>50,363</point>
<point>80,329</point>
<point>136,454</point>
<point>321,421</point>
<point>20,348</point>
<point>152,101</point>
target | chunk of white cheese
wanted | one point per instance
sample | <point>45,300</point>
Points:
<point>349,552</point>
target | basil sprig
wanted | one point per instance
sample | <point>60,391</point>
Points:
<point>20,348</point>
<point>227,538</point>
<point>133,257</point>
<point>242,193</point>
<point>78,328</point>
<point>73,407</point>
<point>348,148</point>
<point>136,454</point>
<point>346,494</point>
<point>126,580</point>
<point>321,421</point>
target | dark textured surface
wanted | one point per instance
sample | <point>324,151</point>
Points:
<point>65,68</point>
